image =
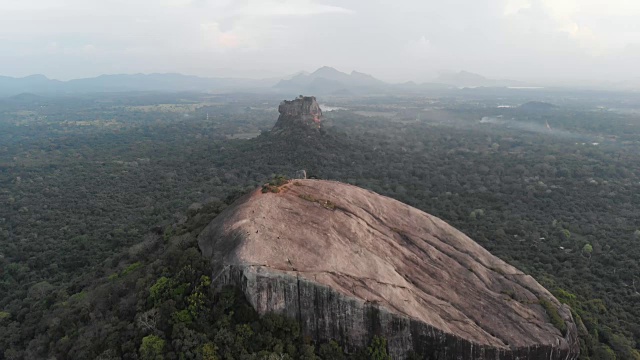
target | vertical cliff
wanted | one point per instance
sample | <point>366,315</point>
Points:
<point>325,314</point>
<point>350,264</point>
<point>300,113</point>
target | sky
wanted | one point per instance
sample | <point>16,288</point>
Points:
<point>394,40</point>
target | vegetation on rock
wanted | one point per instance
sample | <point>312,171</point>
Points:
<point>327,204</point>
<point>275,184</point>
<point>554,316</point>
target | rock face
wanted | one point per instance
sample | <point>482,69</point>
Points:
<point>350,264</point>
<point>302,112</point>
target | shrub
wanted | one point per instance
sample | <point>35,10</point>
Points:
<point>331,350</point>
<point>275,184</point>
<point>159,290</point>
<point>377,350</point>
<point>554,316</point>
<point>307,197</point>
<point>279,180</point>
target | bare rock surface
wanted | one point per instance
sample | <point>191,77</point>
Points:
<point>302,112</point>
<point>350,264</point>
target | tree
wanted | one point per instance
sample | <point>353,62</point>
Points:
<point>209,351</point>
<point>587,249</point>
<point>148,320</point>
<point>151,347</point>
<point>377,350</point>
<point>332,351</point>
<point>603,352</point>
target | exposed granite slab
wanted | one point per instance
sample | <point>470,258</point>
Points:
<point>350,264</point>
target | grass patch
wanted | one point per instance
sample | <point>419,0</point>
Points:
<point>510,293</point>
<point>307,197</point>
<point>325,203</point>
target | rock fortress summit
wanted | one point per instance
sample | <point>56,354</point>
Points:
<point>300,113</point>
<point>350,264</point>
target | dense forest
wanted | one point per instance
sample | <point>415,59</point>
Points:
<point>102,197</point>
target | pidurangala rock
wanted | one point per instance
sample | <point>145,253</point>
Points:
<point>302,112</point>
<point>350,264</point>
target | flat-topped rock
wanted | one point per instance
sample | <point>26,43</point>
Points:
<point>302,112</point>
<point>349,264</point>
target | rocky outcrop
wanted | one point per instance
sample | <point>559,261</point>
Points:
<point>302,112</point>
<point>350,264</point>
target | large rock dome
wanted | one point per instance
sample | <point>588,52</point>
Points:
<point>350,264</point>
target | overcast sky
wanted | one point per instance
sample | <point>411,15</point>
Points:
<point>394,40</point>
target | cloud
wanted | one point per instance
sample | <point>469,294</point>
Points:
<point>585,36</point>
<point>599,27</point>
<point>228,40</point>
<point>398,41</point>
<point>254,25</point>
<point>177,3</point>
<point>420,47</point>
<point>515,6</point>
<point>221,39</point>
<point>266,8</point>
<point>34,5</point>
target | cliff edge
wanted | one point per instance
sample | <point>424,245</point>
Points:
<point>350,264</point>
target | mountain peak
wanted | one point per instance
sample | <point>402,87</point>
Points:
<point>327,70</point>
<point>327,80</point>
<point>461,78</point>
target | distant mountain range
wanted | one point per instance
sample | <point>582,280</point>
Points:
<point>40,84</point>
<point>329,80</point>
<point>324,81</point>
<point>468,79</point>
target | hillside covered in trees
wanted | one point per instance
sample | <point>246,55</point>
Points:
<point>101,198</point>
